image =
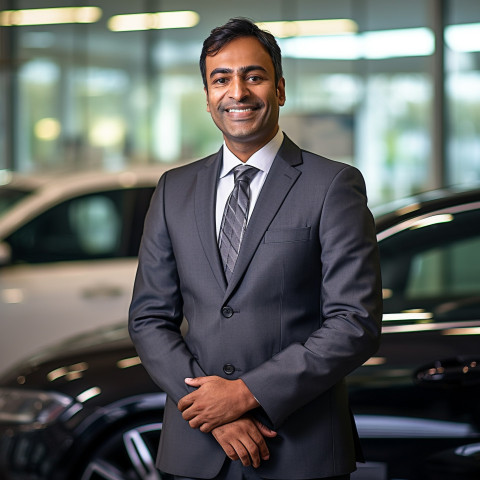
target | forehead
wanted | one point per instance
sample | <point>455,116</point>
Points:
<point>238,53</point>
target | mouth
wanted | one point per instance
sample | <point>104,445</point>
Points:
<point>241,109</point>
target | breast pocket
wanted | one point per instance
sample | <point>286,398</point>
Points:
<point>287,235</point>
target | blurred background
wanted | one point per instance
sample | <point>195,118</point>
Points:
<point>99,97</point>
<point>391,87</point>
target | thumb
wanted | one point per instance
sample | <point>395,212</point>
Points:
<point>264,430</point>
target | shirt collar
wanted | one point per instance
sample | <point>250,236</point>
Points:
<point>261,159</point>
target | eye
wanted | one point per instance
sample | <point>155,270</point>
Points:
<point>220,81</point>
<point>254,78</point>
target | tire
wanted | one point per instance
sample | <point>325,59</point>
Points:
<point>126,454</point>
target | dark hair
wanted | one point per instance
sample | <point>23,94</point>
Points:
<point>235,28</point>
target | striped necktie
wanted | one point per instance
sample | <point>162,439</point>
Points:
<point>234,220</point>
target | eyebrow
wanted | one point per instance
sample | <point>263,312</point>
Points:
<point>242,70</point>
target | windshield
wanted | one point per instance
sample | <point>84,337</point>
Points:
<point>10,196</point>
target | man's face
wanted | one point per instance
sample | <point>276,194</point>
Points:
<point>242,97</point>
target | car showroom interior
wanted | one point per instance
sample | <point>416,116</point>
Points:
<point>101,99</point>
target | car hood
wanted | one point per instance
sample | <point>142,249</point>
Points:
<point>104,359</point>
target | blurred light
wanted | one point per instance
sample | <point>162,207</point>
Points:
<point>408,209</point>
<point>153,21</point>
<point>463,38</point>
<point>47,129</point>
<point>462,331</point>
<point>305,28</point>
<point>127,179</point>
<point>340,47</point>
<point>107,132</point>
<point>404,42</point>
<point>393,317</point>
<point>373,45</point>
<point>433,220</point>
<point>12,295</point>
<point>426,327</point>
<point>72,372</point>
<point>375,361</point>
<point>5,177</point>
<point>49,16</point>
<point>129,362</point>
<point>88,394</point>
<point>471,450</point>
<point>387,293</point>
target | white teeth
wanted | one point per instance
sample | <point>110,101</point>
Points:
<point>239,110</point>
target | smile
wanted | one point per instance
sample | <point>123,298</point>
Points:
<point>239,110</point>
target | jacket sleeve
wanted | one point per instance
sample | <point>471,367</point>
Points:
<point>156,310</point>
<point>351,307</point>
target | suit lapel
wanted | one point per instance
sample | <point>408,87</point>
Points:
<point>205,197</point>
<point>280,180</point>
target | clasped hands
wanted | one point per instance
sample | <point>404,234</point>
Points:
<point>221,407</point>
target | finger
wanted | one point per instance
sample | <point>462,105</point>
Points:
<point>206,427</point>
<point>253,450</point>
<point>195,382</point>
<point>195,424</point>
<point>242,453</point>
<point>185,402</point>
<point>229,451</point>
<point>261,445</point>
<point>264,430</point>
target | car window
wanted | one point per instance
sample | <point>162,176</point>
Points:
<point>450,269</point>
<point>9,197</point>
<point>101,225</point>
<point>434,266</point>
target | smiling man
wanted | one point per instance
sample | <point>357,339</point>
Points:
<point>269,253</point>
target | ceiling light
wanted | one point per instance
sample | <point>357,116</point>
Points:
<point>153,21</point>
<point>309,28</point>
<point>463,38</point>
<point>372,45</point>
<point>49,16</point>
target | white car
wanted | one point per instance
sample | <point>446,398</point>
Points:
<point>68,248</point>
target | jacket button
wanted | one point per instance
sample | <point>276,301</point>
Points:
<point>228,368</point>
<point>227,312</point>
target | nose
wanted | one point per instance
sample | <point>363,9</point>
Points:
<point>238,89</point>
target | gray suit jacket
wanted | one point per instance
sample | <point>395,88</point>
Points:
<point>302,309</point>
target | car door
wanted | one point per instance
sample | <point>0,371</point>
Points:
<point>420,394</point>
<point>72,269</point>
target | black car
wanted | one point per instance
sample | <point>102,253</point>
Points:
<point>86,410</point>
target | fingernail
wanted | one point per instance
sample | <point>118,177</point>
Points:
<point>188,379</point>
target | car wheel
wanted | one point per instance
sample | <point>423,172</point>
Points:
<point>128,454</point>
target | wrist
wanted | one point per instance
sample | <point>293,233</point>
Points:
<point>248,398</point>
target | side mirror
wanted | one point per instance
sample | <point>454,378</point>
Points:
<point>451,373</point>
<point>5,254</point>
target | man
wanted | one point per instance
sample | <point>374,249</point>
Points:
<point>279,283</point>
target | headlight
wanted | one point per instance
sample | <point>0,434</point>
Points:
<point>31,406</point>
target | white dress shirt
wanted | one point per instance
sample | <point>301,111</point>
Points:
<point>262,160</point>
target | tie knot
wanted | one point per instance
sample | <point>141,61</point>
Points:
<point>244,173</point>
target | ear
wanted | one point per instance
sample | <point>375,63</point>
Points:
<point>281,92</point>
<point>206,95</point>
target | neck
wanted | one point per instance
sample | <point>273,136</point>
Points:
<point>244,150</point>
